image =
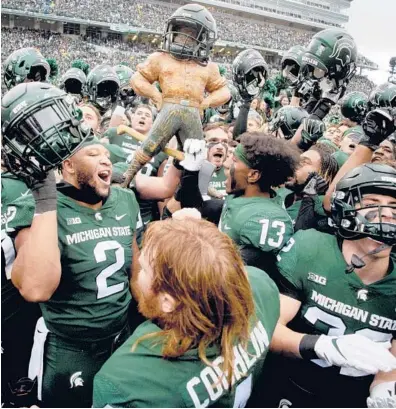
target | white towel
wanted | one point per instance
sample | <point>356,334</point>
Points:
<point>36,363</point>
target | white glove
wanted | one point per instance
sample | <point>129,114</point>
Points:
<point>357,352</point>
<point>383,396</point>
<point>194,153</point>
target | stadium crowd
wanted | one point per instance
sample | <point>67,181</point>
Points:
<point>178,234</point>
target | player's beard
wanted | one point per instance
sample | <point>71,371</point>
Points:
<point>90,193</point>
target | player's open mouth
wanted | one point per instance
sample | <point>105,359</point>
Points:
<point>142,123</point>
<point>105,176</point>
<point>218,155</point>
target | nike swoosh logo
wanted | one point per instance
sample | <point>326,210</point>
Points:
<point>118,218</point>
<point>226,227</point>
<point>26,193</point>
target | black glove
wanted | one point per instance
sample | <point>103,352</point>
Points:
<point>321,109</point>
<point>315,185</point>
<point>312,130</point>
<point>377,126</point>
<point>117,178</point>
<point>45,194</point>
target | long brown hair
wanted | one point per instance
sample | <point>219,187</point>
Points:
<point>201,268</point>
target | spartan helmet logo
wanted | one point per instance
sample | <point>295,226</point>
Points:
<point>76,380</point>
<point>362,295</point>
<point>284,403</point>
<point>342,51</point>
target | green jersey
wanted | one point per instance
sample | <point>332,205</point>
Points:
<point>218,181</point>
<point>256,222</point>
<point>11,189</point>
<point>287,198</point>
<point>127,143</point>
<point>313,270</point>
<point>148,208</point>
<point>144,379</point>
<point>91,301</point>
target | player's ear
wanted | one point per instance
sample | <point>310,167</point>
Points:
<point>167,303</point>
<point>68,166</point>
<point>253,176</point>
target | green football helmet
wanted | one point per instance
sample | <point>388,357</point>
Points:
<point>330,59</point>
<point>41,127</point>
<point>103,87</point>
<point>291,63</point>
<point>25,64</point>
<point>124,74</point>
<point>287,119</point>
<point>383,96</point>
<point>198,45</point>
<point>354,106</point>
<point>370,178</point>
<point>73,82</point>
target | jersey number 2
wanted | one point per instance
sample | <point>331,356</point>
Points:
<point>100,249</point>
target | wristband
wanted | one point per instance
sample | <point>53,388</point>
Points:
<point>307,347</point>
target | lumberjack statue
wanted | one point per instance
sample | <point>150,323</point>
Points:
<point>190,83</point>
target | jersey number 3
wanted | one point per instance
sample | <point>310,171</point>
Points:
<point>100,249</point>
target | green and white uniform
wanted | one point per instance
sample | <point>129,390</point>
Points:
<point>144,379</point>
<point>313,270</point>
<point>259,226</point>
<point>18,317</point>
<point>148,208</point>
<point>89,309</point>
<point>218,180</point>
<point>125,141</point>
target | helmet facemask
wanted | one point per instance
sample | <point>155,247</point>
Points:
<point>42,137</point>
<point>188,39</point>
<point>357,220</point>
<point>105,94</point>
<point>290,71</point>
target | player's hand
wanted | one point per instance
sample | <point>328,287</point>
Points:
<point>357,352</point>
<point>312,130</point>
<point>45,194</point>
<point>315,185</point>
<point>186,213</point>
<point>377,126</point>
<point>383,396</point>
<point>195,152</point>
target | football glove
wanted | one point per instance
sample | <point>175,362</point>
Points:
<point>377,126</point>
<point>383,396</point>
<point>44,193</point>
<point>315,185</point>
<point>195,153</point>
<point>356,352</point>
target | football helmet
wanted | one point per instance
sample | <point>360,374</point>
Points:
<point>249,73</point>
<point>383,96</point>
<point>329,61</point>
<point>291,63</point>
<point>346,203</point>
<point>25,64</point>
<point>354,106</point>
<point>190,33</point>
<point>73,82</point>
<point>41,127</point>
<point>288,119</point>
<point>127,94</point>
<point>103,86</point>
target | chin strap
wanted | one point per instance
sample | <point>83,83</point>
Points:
<point>357,262</point>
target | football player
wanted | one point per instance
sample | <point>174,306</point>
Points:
<point>209,324</point>
<point>78,245</point>
<point>217,144</point>
<point>252,214</point>
<point>338,321</point>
